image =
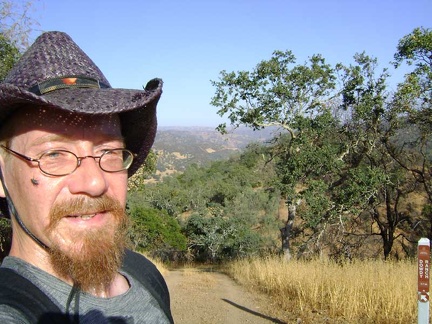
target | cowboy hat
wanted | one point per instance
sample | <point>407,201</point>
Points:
<point>54,72</point>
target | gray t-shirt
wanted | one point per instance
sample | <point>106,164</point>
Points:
<point>133,307</point>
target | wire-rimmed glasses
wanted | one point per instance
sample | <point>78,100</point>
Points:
<point>62,162</point>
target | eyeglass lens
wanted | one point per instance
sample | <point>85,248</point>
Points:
<point>64,162</point>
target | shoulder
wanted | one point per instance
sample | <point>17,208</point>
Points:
<point>11,315</point>
<point>140,265</point>
<point>23,300</point>
<point>11,297</point>
<point>143,270</point>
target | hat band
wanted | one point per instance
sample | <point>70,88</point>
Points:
<point>66,83</point>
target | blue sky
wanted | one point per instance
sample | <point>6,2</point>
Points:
<point>188,42</point>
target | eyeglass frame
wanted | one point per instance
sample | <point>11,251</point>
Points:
<point>78,158</point>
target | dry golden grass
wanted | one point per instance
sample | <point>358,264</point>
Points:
<point>323,291</point>
<point>198,280</point>
<point>203,280</point>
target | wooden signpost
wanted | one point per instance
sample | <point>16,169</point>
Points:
<point>423,257</point>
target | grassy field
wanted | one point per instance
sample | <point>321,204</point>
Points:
<point>326,292</point>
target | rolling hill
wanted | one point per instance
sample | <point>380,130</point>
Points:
<point>178,147</point>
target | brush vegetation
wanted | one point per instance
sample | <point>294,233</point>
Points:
<point>318,291</point>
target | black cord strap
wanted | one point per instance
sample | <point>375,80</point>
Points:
<point>13,211</point>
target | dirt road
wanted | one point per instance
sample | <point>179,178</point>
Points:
<point>203,296</point>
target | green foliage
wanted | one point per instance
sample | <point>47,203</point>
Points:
<point>136,182</point>
<point>343,154</point>
<point>414,95</point>
<point>226,209</point>
<point>5,237</point>
<point>217,238</point>
<point>350,157</point>
<point>275,92</point>
<point>9,54</point>
<point>363,186</point>
<point>155,230</point>
<point>16,23</point>
<point>415,48</point>
<point>318,203</point>
<point>412,108</point>
<point>363,92</point>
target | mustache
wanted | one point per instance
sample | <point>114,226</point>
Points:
<point>83,205</point>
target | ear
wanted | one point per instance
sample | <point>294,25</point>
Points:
<point>2,192</point>
<point>2,184</point>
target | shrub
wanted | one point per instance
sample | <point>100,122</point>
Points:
<point>154,229</point>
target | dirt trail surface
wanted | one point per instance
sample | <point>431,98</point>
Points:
<point>200,296</point>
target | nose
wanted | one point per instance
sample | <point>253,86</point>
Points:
<point>81,158</point>
<point>88,178</point>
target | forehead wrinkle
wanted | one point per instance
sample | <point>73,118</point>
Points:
<point>70,139</point>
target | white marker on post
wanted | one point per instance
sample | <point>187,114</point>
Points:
<point>423,262</point>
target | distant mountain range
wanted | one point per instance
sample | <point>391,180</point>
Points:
<point>178,147</point>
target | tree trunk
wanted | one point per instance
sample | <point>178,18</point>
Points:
<point>286,232</point>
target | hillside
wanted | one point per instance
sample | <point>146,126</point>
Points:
<point>178,147</point>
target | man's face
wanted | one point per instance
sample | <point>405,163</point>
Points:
<point>67,213</point>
